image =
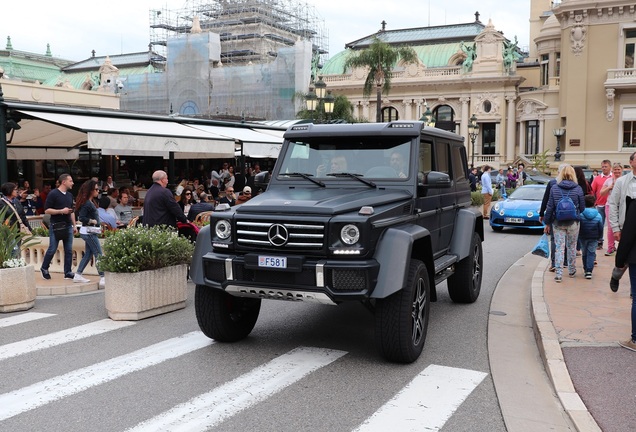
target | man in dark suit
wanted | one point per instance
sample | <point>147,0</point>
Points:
<point>160,207</point>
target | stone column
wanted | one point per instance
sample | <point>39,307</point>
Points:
<point>408,111</point>
<point>465,118</point>
<point>511,129</point>
<point>541,129</point>
<point>365,110</point>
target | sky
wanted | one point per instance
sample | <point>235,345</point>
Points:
<point>122,26</point>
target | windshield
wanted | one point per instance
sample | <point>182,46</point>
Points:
<point>368,157</point>
<point>528,193</point>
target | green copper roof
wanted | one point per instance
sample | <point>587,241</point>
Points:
<point>28,70</point>
<point>422,35</point>
<point>435,55</point>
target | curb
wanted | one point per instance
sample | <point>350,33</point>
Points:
<point>552,356</point>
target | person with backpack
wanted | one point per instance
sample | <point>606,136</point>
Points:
<point>565,204</point>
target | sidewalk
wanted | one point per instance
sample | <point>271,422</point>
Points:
<point>57,285</point>
<point>577,324</point>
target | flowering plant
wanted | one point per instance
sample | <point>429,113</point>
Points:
<point>12,240</point>
<point>140,248</point>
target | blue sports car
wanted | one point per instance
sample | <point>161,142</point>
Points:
<point>520,210</point>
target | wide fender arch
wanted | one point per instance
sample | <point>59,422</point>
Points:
<point>202,247</point>
<point>394,251</point>
<point>467,222</point>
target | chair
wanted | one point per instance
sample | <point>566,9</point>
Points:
<point>202,217</point>
<point>133,222</point>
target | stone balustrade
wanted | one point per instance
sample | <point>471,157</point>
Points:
<point>35,255</point>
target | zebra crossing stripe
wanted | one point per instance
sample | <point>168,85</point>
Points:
<point>44,392</point>
<point>22,318</point>
<point>210,409</point>
<point>427,402</point>
<point>60,337</point>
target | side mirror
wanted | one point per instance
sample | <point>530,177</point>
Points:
<point>261,180</point>
<point>432,180</point>
<point>436,179</point>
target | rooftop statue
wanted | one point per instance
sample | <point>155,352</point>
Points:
<point>471,54</point>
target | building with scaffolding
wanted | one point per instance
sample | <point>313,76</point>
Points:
<point>239,59</point>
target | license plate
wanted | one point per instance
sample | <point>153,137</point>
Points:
<point>513,220</point>
<point>272,262</point>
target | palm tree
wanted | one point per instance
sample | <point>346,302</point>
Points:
<point>379,57</point>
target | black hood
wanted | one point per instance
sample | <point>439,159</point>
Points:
<point>323,201</point>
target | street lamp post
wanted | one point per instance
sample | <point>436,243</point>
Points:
<point>473,133</point>
<point>4,168</point>
<point>558,133</point>
<point>427,117</point>
<point>320,98</point>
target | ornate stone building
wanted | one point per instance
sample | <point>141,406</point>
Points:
<point>577,78</point>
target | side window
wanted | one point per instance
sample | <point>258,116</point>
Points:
<point>426,157</point>
<point>442,164</point>
<point>459,163</point>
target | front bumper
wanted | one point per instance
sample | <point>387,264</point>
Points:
<point>305,279</point>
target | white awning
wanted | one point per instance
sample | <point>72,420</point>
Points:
<point>256,143</point>
<point>119,135</point>
<point>22,153</point>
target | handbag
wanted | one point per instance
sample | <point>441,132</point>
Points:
<point>542,248</point>
<point>23,228</point>
<point>94,229</point>
<point>59,230</point>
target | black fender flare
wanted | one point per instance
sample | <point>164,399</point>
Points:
<point>395,248</point>
<point>465,225</point>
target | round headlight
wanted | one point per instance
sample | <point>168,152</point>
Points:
<point>530,214</point>
<point>497,207</point>
<point>223,229</point>
<point>350,234</point>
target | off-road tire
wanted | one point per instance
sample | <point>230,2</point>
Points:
<point>223,317</point>
<point>465,284</point>
<point>401,320</point>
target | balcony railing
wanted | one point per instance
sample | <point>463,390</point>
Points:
<point>621,78</point>
<point>433,73</point>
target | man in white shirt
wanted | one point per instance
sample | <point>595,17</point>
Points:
<point>486,190</point>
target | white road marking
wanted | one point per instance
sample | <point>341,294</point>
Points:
<point>22,318</point>
<point>210,409</point>
<point>427,402</point>
<point>44,392</point>
<point>60,337</point>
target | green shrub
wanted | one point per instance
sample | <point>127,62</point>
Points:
<point>140,248</point>
<point>476,198</point>
<point>12,240</point>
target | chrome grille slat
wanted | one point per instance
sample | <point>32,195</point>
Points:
<point>300,235</point>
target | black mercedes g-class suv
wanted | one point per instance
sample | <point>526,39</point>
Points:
<point>377,213</point>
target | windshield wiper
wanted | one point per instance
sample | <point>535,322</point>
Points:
<point>305,176</point>
<point>355,176</point>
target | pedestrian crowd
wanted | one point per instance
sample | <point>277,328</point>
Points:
<point>584,217</point>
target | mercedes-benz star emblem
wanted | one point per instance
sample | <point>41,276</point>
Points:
<point>278,235</point>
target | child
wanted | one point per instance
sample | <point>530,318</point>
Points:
<point>590,231</point>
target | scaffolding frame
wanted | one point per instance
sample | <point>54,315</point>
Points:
<point>250,30</point>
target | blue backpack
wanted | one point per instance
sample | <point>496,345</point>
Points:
<point>566,209</point>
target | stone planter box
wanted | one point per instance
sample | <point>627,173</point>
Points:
<point>17,289</point>
<point>135,296</point>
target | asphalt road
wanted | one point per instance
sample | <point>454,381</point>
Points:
<point>161,371</point>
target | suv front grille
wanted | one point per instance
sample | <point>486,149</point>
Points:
<point>289,235</point>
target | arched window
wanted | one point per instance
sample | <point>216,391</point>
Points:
<point>389,114</point>
<point>444,118</point>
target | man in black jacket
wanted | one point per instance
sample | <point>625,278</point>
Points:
<point>160,207</point>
